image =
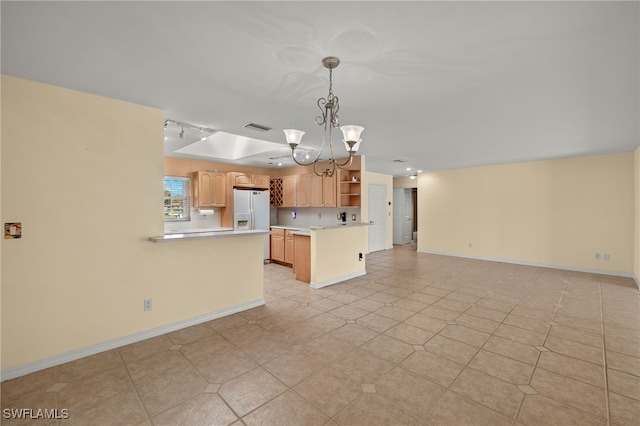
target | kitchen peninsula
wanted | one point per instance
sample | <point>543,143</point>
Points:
<point>326,255</point>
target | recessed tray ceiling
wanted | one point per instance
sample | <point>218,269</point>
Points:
<point>229,147</point>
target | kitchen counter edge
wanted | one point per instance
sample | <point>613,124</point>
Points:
<point>205,235</point>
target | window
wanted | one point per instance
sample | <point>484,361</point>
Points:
<point>176,198</point>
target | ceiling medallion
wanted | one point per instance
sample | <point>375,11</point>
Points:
<point>329,107</point>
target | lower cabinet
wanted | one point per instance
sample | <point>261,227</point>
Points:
<point>277,245</point>
<point>282,246</point>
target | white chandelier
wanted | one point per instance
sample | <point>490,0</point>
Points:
<point>329,107</point>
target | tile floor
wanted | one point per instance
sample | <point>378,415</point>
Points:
<point>420,340</point>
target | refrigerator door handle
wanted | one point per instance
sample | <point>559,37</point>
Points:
<point>251,218</point>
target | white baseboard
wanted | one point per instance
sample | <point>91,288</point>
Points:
<point>637,280</point>
<point>337,280</point>
<point>31,367</point>
<point>541,265</point>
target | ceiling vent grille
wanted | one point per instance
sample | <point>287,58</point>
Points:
<point>400,161</point>
<point>258,127</point>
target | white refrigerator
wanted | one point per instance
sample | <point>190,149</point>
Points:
<point>251,211</point>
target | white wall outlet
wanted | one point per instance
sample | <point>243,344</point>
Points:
<point>470,245</point>
<point>148,304</point>
<point>596,256</point>
<point>606,257</point>
<point>319,215</point>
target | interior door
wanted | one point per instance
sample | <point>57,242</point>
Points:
<point>377,217</point>
<point>398,215</point>
<point>407,228</point>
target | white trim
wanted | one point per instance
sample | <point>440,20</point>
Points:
<point>541,265</point>
<point>337,280</point>
<point>31,367</point>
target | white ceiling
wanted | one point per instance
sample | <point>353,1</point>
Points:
<point>438,84</point>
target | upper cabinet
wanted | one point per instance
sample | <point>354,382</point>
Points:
<point>209,189</point>
<point>322,191</point>
<point>303,192</point>
<point>249,180</point>
<point>349,188</point>
<point>289,191</point>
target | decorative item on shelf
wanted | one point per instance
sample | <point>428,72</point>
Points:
<point>329,107</point>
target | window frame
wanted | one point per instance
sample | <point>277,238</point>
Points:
<point>185,200</point>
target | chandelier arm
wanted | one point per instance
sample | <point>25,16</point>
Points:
<point>346,164</point>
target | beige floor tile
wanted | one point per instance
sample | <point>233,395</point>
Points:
<point>487,302</point>
<point>538,326</point>
<point>440,313</point>
<point>367,305</point>
<point>388,348</point>
<point>362,366</point>
<point>293,366</point>
<point>432,367</point>
<point>427,299</point>
<point>577,335</point>
<point>409,334</point>
<point>344,298</point>
<point>486,313</point>
<point>538,410</point>
<point>374,409</point>
<point>507,369</point>
<point>540,315</point>
<point>348,312</point>
<point>225,366</point>
<point>190,334</point>
<point>623,383</point>
<point>171,388</point>
<point>376,322</point>
<point>410,305</point>
<point>575,350</point>
<point>121,408</point>
<point>244,334</point>
<point>329,390</point>
<point>394,313</point>
<point>568,391</point>
<point>327,348</point>
<point>27,386</point>
<point>583,371</point>
<point>451,349</point>
<point>384,297</point>
<point>455,410</point>
<point>520,335</point>
<point>325,305</point>
<point>624,410</point>
<point>204,348</point>
<point>477,323</point>
<point>287,409</point>
<point>145,348</point>
<point>251,390</point>
<point>580,323</point>
<point>512,349</point>
<point>265,348</point>
<point>488,391</point>
<point>452,304</point>
<point>409,391</point>
<point>354,334</point>
<point>88,366</point>
<point>204,409</point>
<point>465,335</point>
<point>624,363</point>
<point>425,322</point>
<point>623,346</point>
<point>92,389</point>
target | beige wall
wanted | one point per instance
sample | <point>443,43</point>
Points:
<point>556,212</point>
<point>405,183</point>
<point>84,174</point>
<point>334,253</point>
<point>379,179</point>
<point>636,267</point>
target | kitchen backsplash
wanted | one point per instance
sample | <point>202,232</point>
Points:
<point>197,221</point>
<point>306,217</point>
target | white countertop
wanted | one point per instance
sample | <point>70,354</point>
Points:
<point>307,231</point>
<point>219,233</point>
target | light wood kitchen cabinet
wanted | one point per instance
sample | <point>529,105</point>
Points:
<point>209,189</point>
<point>288,247</point>
<point>289,191</point>
<point>277,245</point>
<point>302,261</point>
<point>249,180</point>
<point>322,191</point>
<point>303,191</point>
<point>261,181</point>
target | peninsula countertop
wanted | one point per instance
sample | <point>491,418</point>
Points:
<point>209,234</point>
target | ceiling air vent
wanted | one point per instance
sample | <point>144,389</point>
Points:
<point>258,127</point>
<point>400,161</point>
